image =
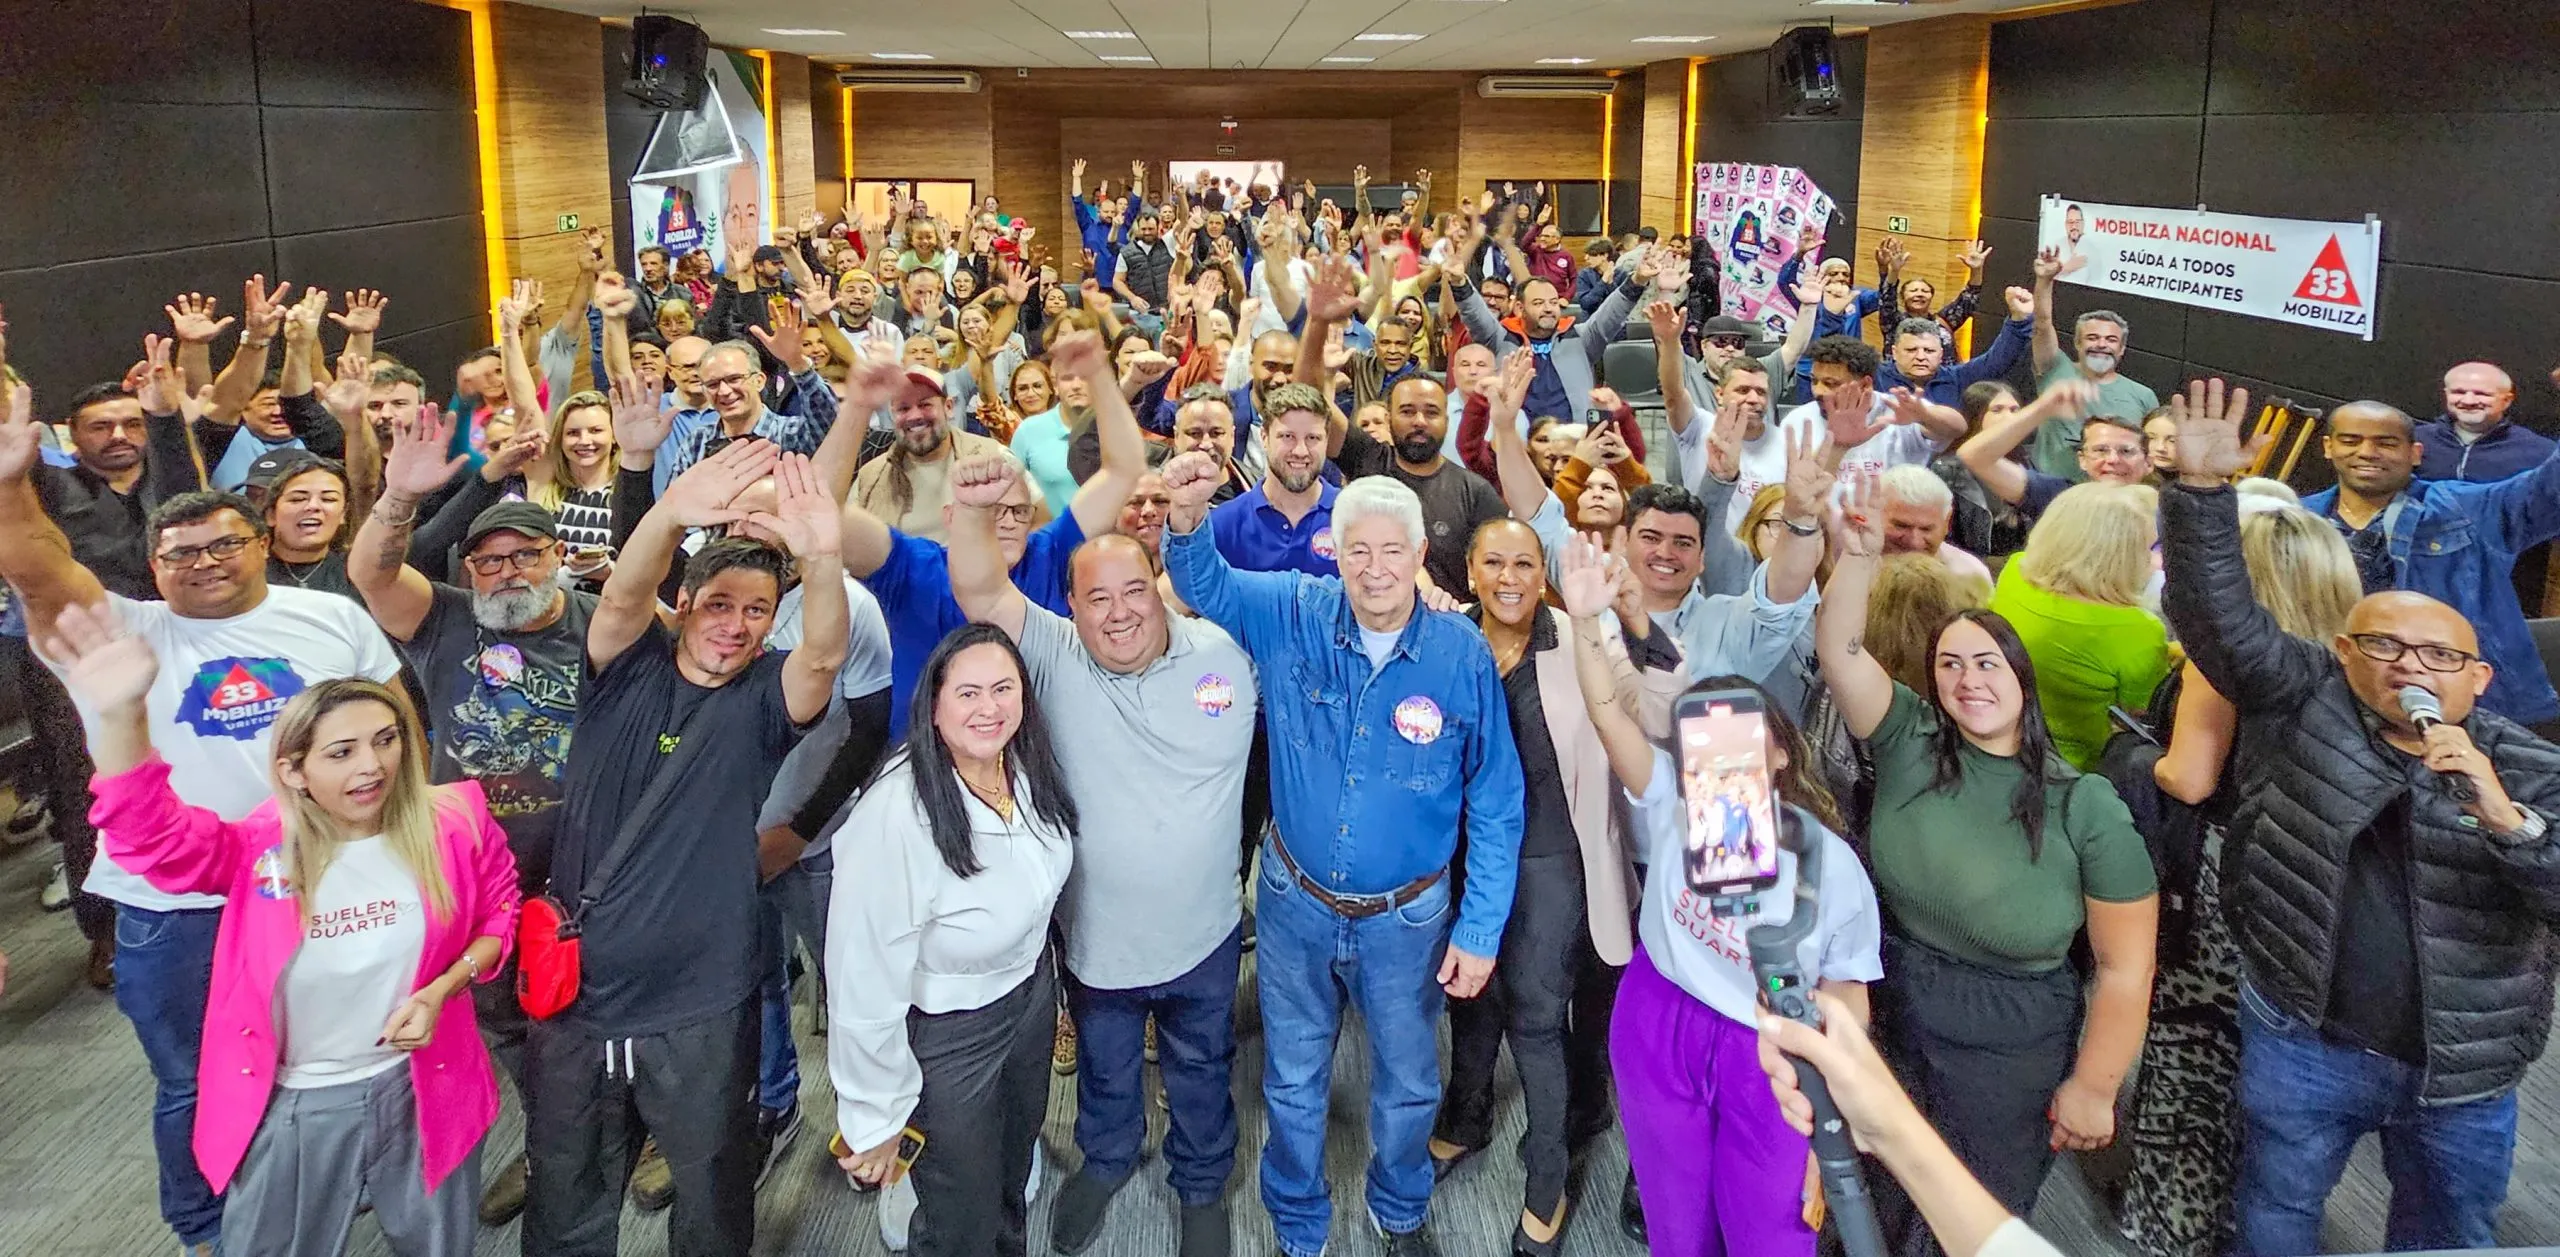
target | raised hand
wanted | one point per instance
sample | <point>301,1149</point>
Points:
<point>417,465</point>
<point>1809,480</point>
<point>1586,585</point>
<point>1359,176</point>
<point>1333,293</point>
<point>1080,353</point>
<point>1724,439</point>
<point>1847,411</point>
<point>516,453</point>
<point>1837,295</point>
<point>302,318</point>
<point>163,392</point>
<point>1907,407</point>
<point>1191,479</point>
<point>1096,301</point>
<point>614,298</point>
<point>1673,277</point>
<point>1017,281</point>
<point>1148,367</point>
<point>1857,519</point>
<point>21,443</point>
<point>2022,303</point>
<point>1511,388</point>
<point>1667,320</point>
<point>345,395</point>
<point>264,310</point>
<point>2048,264</point>
<point>591,250</point>
<point>2210,419</point>
<point>783,342</point>
<point>701,497</point>
<point>522,297</point>
<point>980,483</point>
<point>641,417</point>
<point>107,665</point>
<point>742,253</point>
<point>364,312</point>
<point>1808,289</point>
<point>1974,256</point>
<point>817,301</point>
<point>191,318</point>
<point>803,516</point>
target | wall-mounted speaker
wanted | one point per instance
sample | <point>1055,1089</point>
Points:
<point>668,57</point>
<point>1802,77</point>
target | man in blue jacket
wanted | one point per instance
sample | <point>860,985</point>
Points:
<point>2452,540</point>
<point>1918,353</point>
<point>2474,439</point>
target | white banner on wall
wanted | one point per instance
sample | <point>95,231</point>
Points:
<point>2290,270</point>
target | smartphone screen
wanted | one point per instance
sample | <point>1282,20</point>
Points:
<point>1724,784</point>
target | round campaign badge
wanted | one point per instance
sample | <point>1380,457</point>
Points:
<point>1418,720</point>
<point>501,664</point>
<point>1214,694</point>
<point>268,875</point>
<point>1322,543</point>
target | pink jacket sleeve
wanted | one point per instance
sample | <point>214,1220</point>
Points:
<point>493,878</point>
<point>159,837</point>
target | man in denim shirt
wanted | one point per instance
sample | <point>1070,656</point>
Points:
<point>1387,722</point>
<point>2452,540</point>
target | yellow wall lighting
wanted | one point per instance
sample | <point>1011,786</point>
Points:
<point>772,144</point>
<point>484,110</point>
<point>846,134</point>
<point>1973,213</point>
<point>1608,126</point>
<point>1689,149</point>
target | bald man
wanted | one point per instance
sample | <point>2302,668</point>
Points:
<point>2475,438</point>
<point>2394,902</point>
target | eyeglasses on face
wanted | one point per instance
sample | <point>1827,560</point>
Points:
<point>1012,512</point>
<point>1726,342</point>
<point>524,560</point>
<point>222,549</point>
<point>2384,648</point>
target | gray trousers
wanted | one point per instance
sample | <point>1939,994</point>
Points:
<point>322,1153</point>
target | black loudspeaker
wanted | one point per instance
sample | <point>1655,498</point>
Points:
<point>667,60</point>
<point>1802,75</point>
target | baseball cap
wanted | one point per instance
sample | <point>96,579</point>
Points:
<point>514,515</point>
<point>922,378</point>
<point>768,253</point>
<point>279,465</point>
<point>1727,325</point>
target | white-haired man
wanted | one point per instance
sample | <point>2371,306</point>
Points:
<point>1918,507</point>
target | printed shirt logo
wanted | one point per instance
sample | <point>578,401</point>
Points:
<point>1321,545</point>
<point>237,698</point>
<point>357,918</point>
<point>501,664</point>
<point>1418,720</point>
<point>269,877</point>
<point>1214,694</point>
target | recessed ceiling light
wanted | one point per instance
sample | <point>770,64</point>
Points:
<point>1375,37</point>
<point>1351,60</point>
<point>1671,39</point>
<point>798,30</point>
<point>1100,35</point>
<point>1564,61</point>
<point>902,56</point>
<point>1128,58</point>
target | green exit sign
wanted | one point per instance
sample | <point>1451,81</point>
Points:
<point>1896,223</point>
<point>569,222</point>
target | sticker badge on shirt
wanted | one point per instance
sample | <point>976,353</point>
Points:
<point>1321,545</point>
<point>1214,694</point>
<point>1418,720</point>
<point>501,664</point>
<point>237,698</point>
<point>268,875</point>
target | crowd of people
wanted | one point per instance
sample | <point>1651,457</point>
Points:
<point>1265,575</point>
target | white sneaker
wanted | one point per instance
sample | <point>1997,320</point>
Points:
<point>897,1209</point>
<point>56,895</point>
<point>1031,1186</point>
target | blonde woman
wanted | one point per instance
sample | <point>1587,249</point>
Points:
<point>2184,1124</point>
<point>573,479</point>
<point>2075,596</point>
<point>342,1064</point>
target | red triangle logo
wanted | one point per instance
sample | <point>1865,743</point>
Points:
<point>238,688</point>
<point>2328,280</point>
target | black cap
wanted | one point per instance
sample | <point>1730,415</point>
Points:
<point>512,515</point>
<point>279,465</point>
<point>1727,325</point>
<point>768,253</point>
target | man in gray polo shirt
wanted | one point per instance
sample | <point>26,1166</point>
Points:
<point>1155,716</point>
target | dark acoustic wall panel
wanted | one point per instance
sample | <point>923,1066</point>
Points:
<point>1737,121</point>
<point>182,145</point>
<point>2439,118</point>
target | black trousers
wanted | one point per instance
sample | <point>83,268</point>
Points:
<point>1528,1000</point>
<point>1982,1052</point>
<point>692,1087</point>
<point>986,1091</point>
<point>63,770</point>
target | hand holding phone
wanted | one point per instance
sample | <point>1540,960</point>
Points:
<point>883,1165</point>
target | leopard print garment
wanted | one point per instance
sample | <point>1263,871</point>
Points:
<point>2184,1128</point>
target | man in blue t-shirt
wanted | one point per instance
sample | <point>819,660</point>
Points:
<point>911,576</point>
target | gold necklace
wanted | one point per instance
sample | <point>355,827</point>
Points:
<point>999,799</point>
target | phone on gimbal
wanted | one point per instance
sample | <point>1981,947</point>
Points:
<point>1727,792</point>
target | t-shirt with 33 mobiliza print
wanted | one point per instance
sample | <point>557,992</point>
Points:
<point>213,707</point>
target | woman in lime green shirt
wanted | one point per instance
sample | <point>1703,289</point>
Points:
<point>2075,597</point>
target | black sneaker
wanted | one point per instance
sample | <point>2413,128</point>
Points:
<point>1414,1243</point>
<point>1204,1230</point>
<point>1076,1220</point>
<point>777,1128</point>
<point>1631,1210</point>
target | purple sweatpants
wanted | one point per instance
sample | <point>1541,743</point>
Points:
<point>1719,1168</point>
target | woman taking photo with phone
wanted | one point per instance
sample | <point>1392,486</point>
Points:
<point>1990,853</point>
<point>342,1064</point>
<point>941,994</point>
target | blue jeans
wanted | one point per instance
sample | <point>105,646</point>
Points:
<point>164,970</point>
<point>1308,960</point>
<point>2304,1102</point>
<point>782,910</point>
<point>1196,1049</point>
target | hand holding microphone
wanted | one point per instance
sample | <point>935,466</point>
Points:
<point>2448,748</point>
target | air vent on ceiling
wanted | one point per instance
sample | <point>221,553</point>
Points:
<point>1547,86</point>
<point>865,80</point>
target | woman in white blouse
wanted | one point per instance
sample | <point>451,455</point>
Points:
<point>940,990</point>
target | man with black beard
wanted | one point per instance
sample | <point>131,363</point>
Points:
<point>907,487</point>
<point>501,666</point>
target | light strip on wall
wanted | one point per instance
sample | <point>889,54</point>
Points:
<point>1608,126</point>
<point>1689,149</point>
<point>772,144</point>
<point>846,133</point>
<point>484,112</point>
<point>1981,137</point>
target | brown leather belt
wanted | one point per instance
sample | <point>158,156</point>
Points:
<point>1356,907</point>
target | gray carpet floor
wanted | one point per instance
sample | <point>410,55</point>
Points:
<point>77,1179</point>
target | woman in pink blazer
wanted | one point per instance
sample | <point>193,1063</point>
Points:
<point>338,1066</point>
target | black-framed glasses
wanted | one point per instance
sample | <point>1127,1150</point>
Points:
<point>222,549</point>
<point>524,560</point>
<point>2384,648</point>
<point>1727,342</point>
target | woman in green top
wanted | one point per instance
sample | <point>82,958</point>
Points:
<point>1990,854</point>
<point>2075,597</point>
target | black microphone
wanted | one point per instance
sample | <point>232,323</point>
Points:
<point>2425,711</point>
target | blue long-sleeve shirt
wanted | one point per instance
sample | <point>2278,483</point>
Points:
<point>1373,768</point>
<point>1947,387</point>
<point>1101,239</point>
<point>1862,302</point>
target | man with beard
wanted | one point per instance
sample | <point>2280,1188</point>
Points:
<point>857,312</point>
<point>907,487</point>
<point>500,666</point>
<point>1273,359</point>
<point>2099,337</point>
<point>657,286</point>
<point>1284,524</point>
<point>1373,371</point>
<point>1143,272</point>
<point>1568,352</point>
<point>1454,499</point>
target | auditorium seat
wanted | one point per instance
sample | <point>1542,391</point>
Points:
<point>1630,367</point>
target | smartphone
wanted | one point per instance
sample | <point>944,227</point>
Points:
<point>1726,789</point>
<point>910,1146</point>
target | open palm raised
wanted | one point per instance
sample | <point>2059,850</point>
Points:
<point>2210,419</point>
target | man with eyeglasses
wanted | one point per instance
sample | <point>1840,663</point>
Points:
<point>2112,450</point>
<point>2394,912</point>
<point>733,381</point>
<point>501,665</point>
<point>232,651</point>
<point>1274,359</point>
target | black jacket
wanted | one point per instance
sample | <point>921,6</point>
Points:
<point>1150,267</point>
<point>2314,775</point>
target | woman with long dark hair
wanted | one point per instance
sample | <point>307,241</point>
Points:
<point>1990,854</point>
<point>941,994</point>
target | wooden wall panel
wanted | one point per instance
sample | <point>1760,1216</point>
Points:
<point>1666,109</point>
<point>1426,138</point>
<point>794,132</point>
<point>552,157</point>
<point>1031,176</point>
<point>826,125</point>
<point>1920,157</point>
<point>902,135</point>
<point>1526,139</point>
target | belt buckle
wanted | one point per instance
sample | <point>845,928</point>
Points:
<point>1363,907</point>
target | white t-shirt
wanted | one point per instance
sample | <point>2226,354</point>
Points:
<point>865,671</point>
<point>1764,461</point>
<point>221,685</point>
<point>1708,956</point>
<point>357,962</point>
